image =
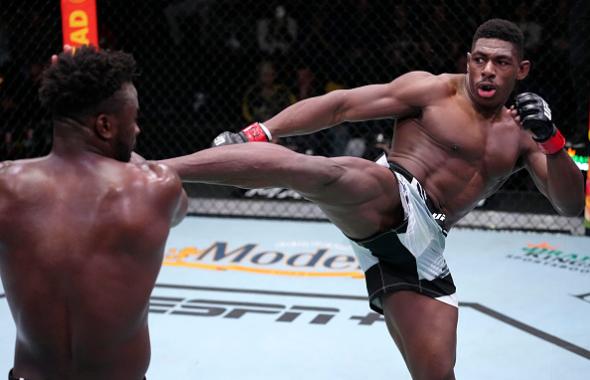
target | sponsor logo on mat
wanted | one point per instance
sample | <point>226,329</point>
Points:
<point>315,259</point>
<point>550,255</point>
<point>237,309</point>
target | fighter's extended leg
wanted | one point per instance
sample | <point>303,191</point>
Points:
<point>359,196</point>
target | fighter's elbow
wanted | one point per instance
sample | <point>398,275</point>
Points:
<point>338,106</point>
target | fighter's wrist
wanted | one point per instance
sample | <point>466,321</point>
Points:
<point>553,144</point>
<point>266,131</point>
<point>257,132</point>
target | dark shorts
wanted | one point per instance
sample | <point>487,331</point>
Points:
<point>409,257</point>
<point>390,275</point>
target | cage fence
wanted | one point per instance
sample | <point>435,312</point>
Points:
<point>207,66</point>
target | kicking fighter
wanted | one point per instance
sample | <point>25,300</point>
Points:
<point>455,143</point>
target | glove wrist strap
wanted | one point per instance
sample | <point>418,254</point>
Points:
<point>257,132</point>
<point>554,144</point>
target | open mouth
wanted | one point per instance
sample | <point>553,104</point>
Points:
<point>486,90</point>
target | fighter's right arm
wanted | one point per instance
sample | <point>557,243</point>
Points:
<point>405,96</point>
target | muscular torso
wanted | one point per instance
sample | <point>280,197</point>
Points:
<point>457,155</point>
<point>81,245</point>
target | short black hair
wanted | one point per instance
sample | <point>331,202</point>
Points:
<point>79,83</point>
<point>503,30</point>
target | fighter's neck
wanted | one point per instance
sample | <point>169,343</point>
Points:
<point>73,139</point>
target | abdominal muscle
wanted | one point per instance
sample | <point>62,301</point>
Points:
<point>454,181</point>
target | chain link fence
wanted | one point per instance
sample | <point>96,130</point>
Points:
<point>214,65</point>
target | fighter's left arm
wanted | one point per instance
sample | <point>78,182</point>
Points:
<point>559,179</point>
<point>553,171</point>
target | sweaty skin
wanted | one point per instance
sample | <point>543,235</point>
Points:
<point>78,262</point>
<point>81,244</point>
<point>459,156</point>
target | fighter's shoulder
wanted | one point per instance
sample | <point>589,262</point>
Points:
<point>12,167</point>
<point>4,165</point>
<point>419,75</point>
<point>19,175</point>
<point>156,175</point>
<point>447,84</point>
<point>12,170</point>
<point>154,171</point>
<point>429,82</point>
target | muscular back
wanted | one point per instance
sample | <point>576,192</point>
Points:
<point>81,244</point>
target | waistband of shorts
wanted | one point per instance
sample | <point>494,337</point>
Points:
<point>397,168</point>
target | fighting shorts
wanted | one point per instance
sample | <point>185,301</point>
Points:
<point>410,256</point>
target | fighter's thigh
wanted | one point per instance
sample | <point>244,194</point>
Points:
<point>427,333</point>
<point>364,181</point>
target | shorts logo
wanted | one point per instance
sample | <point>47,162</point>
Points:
<point>440,217</point>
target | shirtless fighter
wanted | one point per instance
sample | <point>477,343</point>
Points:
<point>455,144</point>
<point>82,230</point>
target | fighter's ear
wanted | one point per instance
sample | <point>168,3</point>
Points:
<point>523,69</point>
<point>104,127</point>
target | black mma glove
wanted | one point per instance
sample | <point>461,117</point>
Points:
<point>535,116</point>
<point>253,132</point>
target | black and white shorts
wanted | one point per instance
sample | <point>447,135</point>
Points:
<point>409,257</point>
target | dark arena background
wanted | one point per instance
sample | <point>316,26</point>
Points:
<point>203,62</point>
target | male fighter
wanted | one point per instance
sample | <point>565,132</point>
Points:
<point>455,143</point>
<point>82,230</point>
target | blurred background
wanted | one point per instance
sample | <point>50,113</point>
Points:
<point>213,65</point>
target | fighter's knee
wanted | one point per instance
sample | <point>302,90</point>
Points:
<point>430,362</point>
<point>435,370</point>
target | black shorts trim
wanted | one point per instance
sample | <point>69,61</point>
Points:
<point>434,209</point>
<point>384,278</point>
<point>397,270</point>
